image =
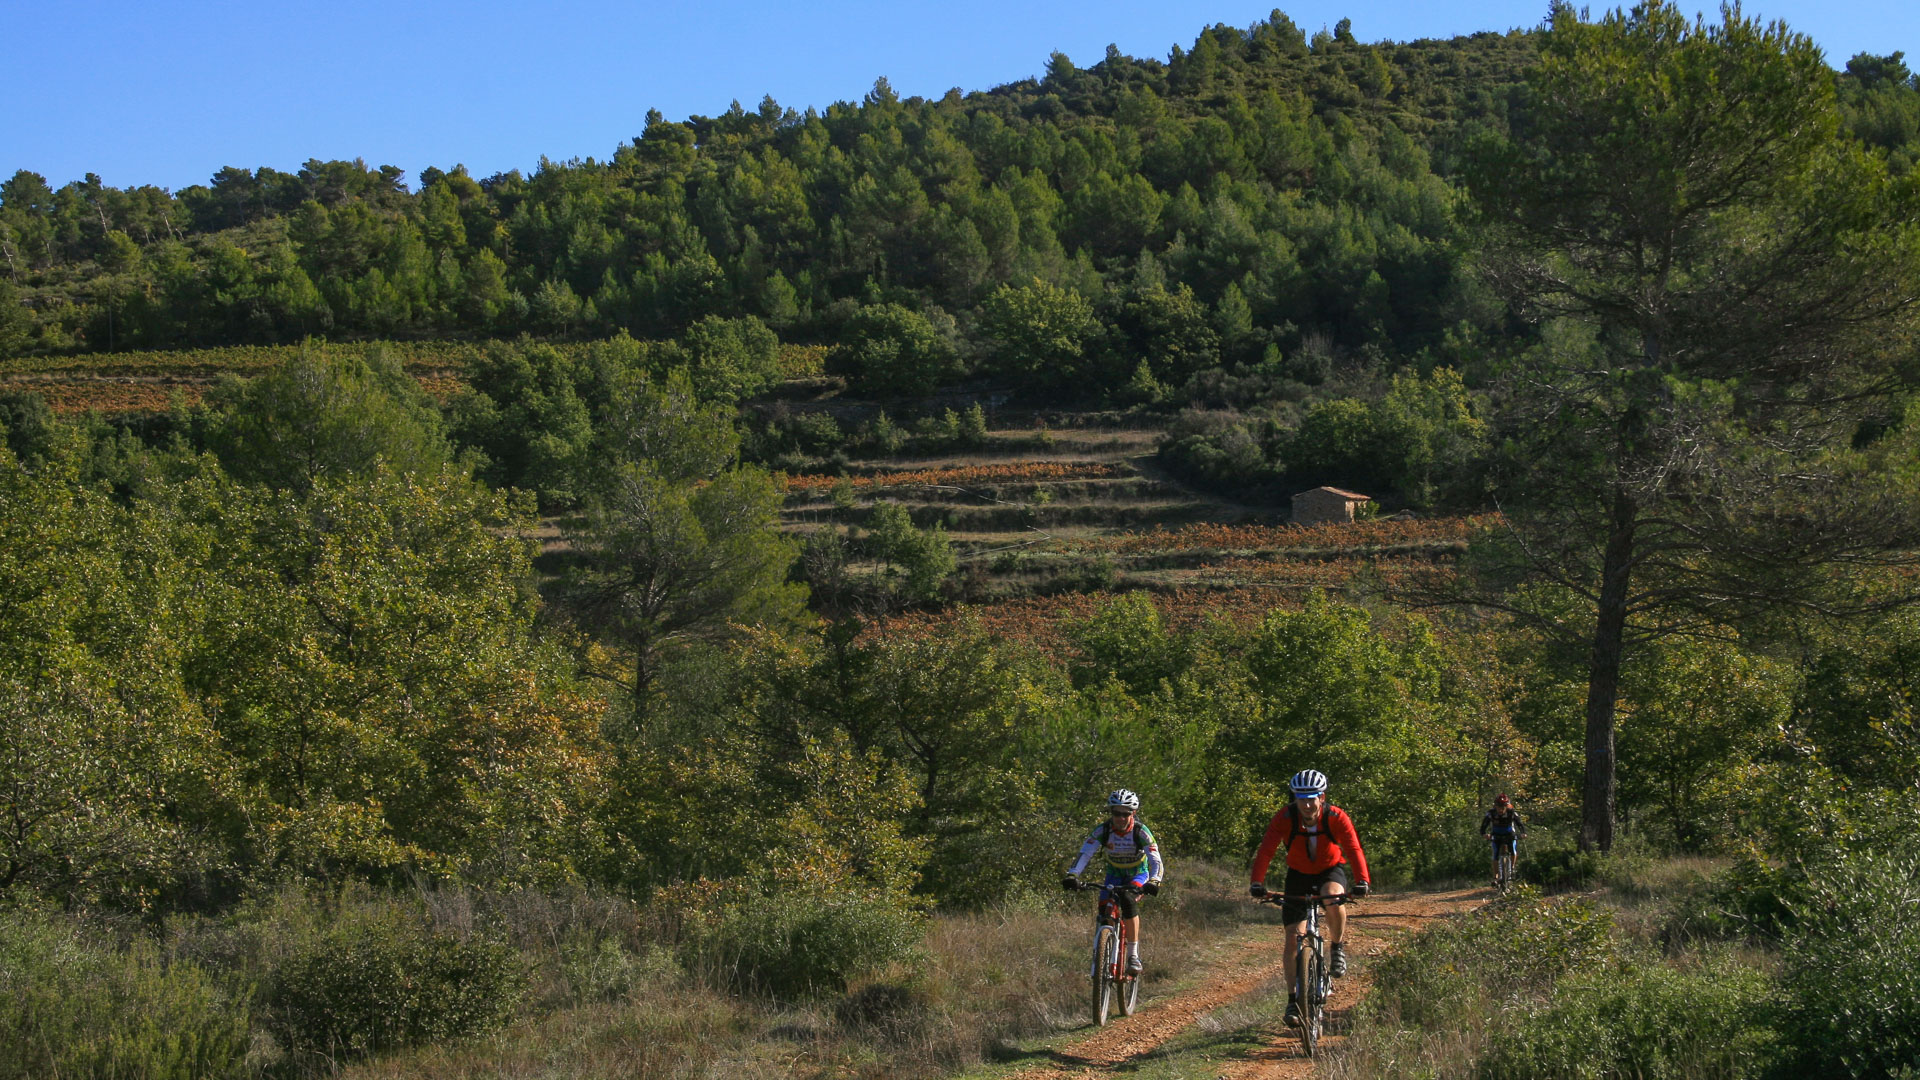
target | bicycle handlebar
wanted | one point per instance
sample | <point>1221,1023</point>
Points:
<point>1136,890</point>
<point>1278,898</point>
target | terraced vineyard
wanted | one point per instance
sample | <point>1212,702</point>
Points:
<point>1042,532</point>
<point>115,384</point>
<point>1042,520</point>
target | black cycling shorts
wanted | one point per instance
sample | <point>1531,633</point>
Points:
<point>1299,884</point>
<point>1128,905</point>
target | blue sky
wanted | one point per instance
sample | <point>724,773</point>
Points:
<point>168,92</point>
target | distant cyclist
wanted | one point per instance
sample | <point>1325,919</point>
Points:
<point>1502,825</point>
<point>1321,843</point>
<point>1133,858</point>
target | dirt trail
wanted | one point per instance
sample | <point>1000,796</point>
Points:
<point>1372,929</point>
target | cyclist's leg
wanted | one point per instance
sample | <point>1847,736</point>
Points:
<point>1294,914</point>
<point>1133,920</point>
<point>1129,911</point>
<point>1334,883</point>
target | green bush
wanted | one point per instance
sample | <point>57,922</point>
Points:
<point>1851,970</point>
<point>1222,451</point>
<point>1645,1020</point>
<point>603,971</point>
<point>790,944</point>
<point>1751,899</point>
<point>1514,948</point>
<point>1561,865</point>
<point>381,978</point>
<point>73,1009</point>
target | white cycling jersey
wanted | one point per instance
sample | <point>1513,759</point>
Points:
<point>1126,851</point>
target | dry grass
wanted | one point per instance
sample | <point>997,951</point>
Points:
<point>987,981</point>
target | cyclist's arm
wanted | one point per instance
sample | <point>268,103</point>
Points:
<point>1155,869</point>
<point>1486,823</point>
<point>1087,851</point>
<point>1349,840</point>
<point>1269,843</point>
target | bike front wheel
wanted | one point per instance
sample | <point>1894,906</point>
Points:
<point>1106,950</point>
<point>1313,999</point>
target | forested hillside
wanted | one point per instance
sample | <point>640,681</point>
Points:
<point>1281,181</point>
<point>626,615</point>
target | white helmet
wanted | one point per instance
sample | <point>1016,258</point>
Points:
<point>1308,782</point>
<point>1123,800</point>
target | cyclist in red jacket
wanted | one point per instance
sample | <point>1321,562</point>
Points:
<point>1321,845</point>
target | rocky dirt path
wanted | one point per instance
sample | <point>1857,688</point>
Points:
<point>1249,966</point>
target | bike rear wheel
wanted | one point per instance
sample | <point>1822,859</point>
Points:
<point>1106,949</point>
<point>1129,993</point>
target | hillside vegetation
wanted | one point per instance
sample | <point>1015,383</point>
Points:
<point>679,612</point>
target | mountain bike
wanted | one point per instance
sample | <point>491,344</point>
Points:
<point>1506,860</point>
<point>1312,982</point>
<point>1111,980</point>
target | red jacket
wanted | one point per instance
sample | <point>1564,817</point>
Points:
<point>1313,851</point>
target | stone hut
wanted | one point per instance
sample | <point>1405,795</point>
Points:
<point>1323,505</point>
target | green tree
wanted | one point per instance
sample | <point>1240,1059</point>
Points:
<point>369,661</point>
<point>318,416</point>
<point>890,349</point>
<point>1429,433</point>
<point>16,322</point>
<point>679,542</point>
<point>1342,698</point>
<point>111,787</point>
<point>1725,283</point>
<point>530,410</point>
<point>1699,716</point>
<point>1040,332</point>
<point>730,359</point>
<point>1337,443</point>
<point>926,555</point>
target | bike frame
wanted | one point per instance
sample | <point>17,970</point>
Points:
<point>1109,970</point>
<point>1506,858</point>
<point>1312,984</point>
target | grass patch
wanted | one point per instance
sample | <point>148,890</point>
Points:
<point>1575,986</point>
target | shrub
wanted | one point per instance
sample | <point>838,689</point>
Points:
<point>793,944</point>
<point>1562,865</point>
<point>1751,899</point>
<point>1221,451</point>
<point>1512,949</point>
<point>882,436</point>
<point>887,1008</point>
<point>603,971</point>
<point>72,1008</point>
<point>1851,969</point>
<point>380,978</point>
<point>1645,1020</point>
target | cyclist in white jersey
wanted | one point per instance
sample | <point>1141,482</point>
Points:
<point>1133,858</point>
